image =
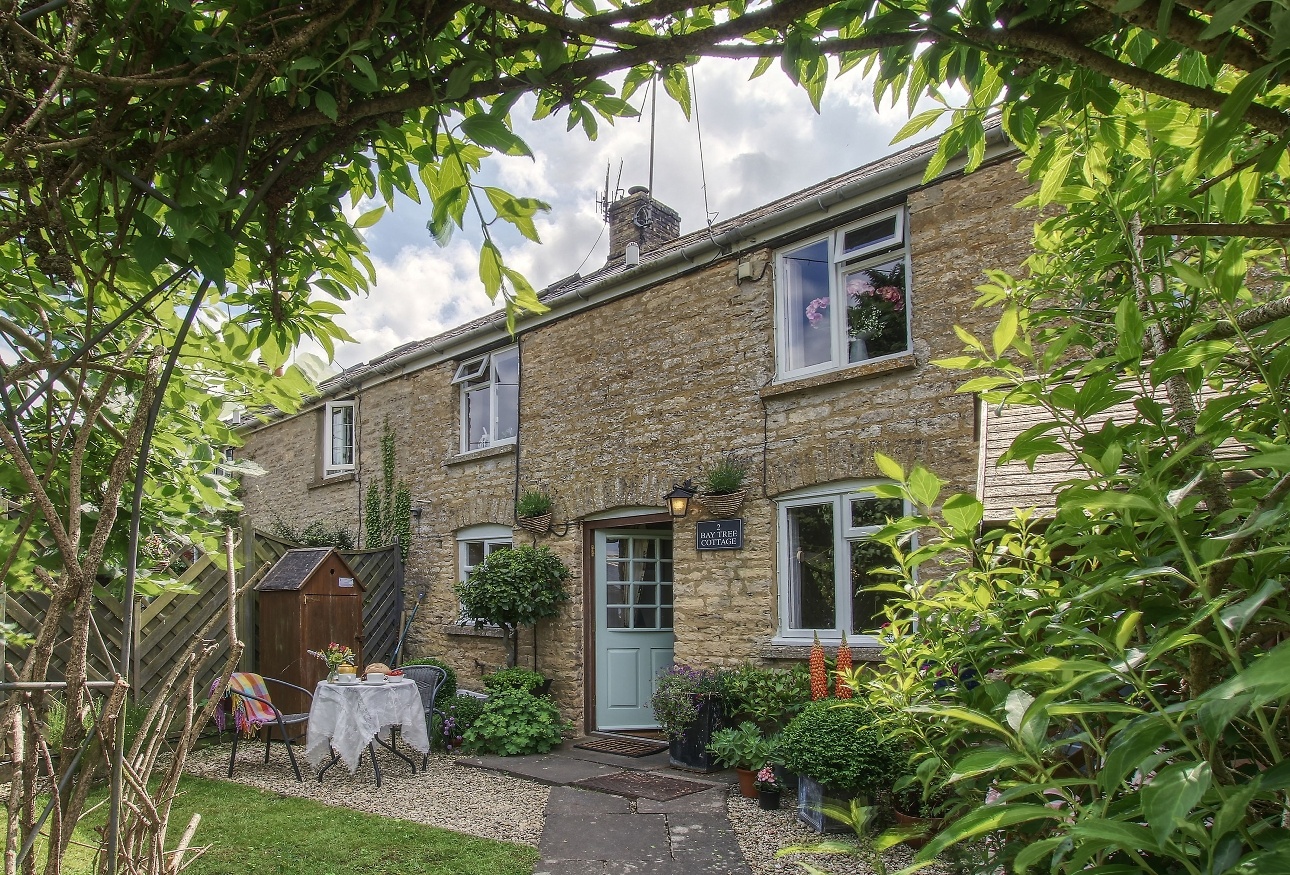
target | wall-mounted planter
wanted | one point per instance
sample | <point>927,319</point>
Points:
<point>725,505</point>
<point>538,525</point>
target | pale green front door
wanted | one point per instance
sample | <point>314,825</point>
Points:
<point>633,623</point>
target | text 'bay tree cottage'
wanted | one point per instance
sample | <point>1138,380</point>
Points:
<point>797,338</point>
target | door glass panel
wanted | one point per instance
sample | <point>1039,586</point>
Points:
<point>665,595</point>
<point>813,595</point>
<point>645,594</point>
<point>615,547</point>
<point>616,618</point>
<point>644,618</point>
<point>665,571</point>
<point>617,571</point>
<point>665,618</point>
<point>642,548</point>
<point>647,570</point>
<point>616,594</point>
<point>665,550</point>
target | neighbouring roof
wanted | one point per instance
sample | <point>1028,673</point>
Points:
<point>293,569</point>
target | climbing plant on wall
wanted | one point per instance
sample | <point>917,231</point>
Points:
<point>388,508</point>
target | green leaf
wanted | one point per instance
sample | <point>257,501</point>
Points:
<point>1005,331</point>
<point>326,104</point>
<point>677,85</point>
<point>1125,628</point>
<point>985,820</point>
<point>493,133</point>
<point>923,120</point>
<point>1234,617</point>
<point>1231,115</point>
<point>924,486</point>
<point>1265,680</point>
<point>1130,747</point>
<point>889,467</point>
<point>490,269</point>
<point>1171,795</point>
<point>963,512</point>
<point>967,715</point>
<point>370,218</point>
<point>1129,836</point>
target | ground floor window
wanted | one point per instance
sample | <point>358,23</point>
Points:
<point>828,561</point>
<point>473,545</point>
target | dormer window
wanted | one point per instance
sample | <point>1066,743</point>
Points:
<point>490,399</point>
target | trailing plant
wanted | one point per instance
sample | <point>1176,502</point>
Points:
<point>318,533</point>
<point>843,746</point>
<point>513,679</point>
<point>387,510</point>
<point>743,747</point>
<point>726,476</point>
<point>449,689</point>
<point>533,503</point>
<point>513,723</point>
<point>769,697</point>
<point>680,693</point>
<point>513,588</point>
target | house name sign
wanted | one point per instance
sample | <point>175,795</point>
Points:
<point>719,535</point>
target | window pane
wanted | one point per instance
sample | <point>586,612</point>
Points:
<point>876,301</point>
<point>494,546</point>
<point>642,548</point>
<point>665,548</point>
<point>616,618</point>
<point>665,571</point>
<point>875,511</point>
<point>867,235</point>
<point>342,436</point>
<point>645,618</point>
<point>506,367</point>
<point>474,553</point>
<point>477,433</point>
<point>646,570</point>
<point>617,571</point>
<point>615,547</point>
<point>807,311</point>
<point>812,595</point>
<point>665,594</point>
<point>665,618</point>
<point>616,594</point>
<point>508,413</point>
<point>645,594</point>
<point>866,607</point>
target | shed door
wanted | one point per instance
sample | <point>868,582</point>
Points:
<point>633,623</point>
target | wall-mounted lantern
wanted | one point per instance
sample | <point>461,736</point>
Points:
<point>678,500</point>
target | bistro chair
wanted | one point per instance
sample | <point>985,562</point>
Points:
<point>429,680</point>
<point>253,710</point>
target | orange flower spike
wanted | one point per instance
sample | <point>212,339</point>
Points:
<point>819,675</point>
<point>843,669</point>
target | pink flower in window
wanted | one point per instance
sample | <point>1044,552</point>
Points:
<point>815,312</point>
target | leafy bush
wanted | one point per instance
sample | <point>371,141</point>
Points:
<point>513,679</point>
<point>513,588</point>
<point>533,502</point>
<point>318,533</point>
<point>768,697</point>
<point>841,745</point>
<point>514,723</point>
<point>679,694</point>
<point>459,714</point>
<point>725,477</point>
<point>743,747</point>
<point>449,688</point>
<point>56,722</point>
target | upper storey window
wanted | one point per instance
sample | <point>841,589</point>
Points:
<point>338,438</point>
<point>843,298</point>
<point>490,399</point>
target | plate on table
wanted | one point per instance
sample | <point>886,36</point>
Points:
<point>376,682</point>
<point>346,680</point>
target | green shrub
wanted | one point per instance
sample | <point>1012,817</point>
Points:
<point>513,679</point>
<point>514,723</point>
<point>449,688</point>
<point>459,713</point>
<point>514,588</point>
<point>532,503</point>
<point>56,722</point>
<point>743,747</point>
<point>725,477</point>
<point>769,697</point>
<point>679,693</point>
<point>841,745</point>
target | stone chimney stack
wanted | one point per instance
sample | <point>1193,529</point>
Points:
<point>638,218</point>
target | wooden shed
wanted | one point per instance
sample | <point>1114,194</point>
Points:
<point>309,599</point>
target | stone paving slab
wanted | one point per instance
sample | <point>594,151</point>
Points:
<point>587,835</point>
<point>704,843</point>
<point>641,764</point>
<point>573,798</point>
<point>548,769</point>
<point>709,802</point>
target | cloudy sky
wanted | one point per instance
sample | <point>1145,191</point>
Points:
<point>761,140</point>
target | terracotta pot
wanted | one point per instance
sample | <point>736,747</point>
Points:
<point>747,782</point>
<point>724,505</point>
<point>768,799</point>
<point>929,825</point>
<point>538,525</point>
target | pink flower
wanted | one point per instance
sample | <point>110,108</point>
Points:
<point>891,295</point>
<point>815,311</point>
<point>858,286</point>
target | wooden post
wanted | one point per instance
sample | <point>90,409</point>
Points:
<point>246,606</point>
<point>136,662</point>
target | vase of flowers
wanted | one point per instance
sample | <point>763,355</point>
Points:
<point>335,655</point>
<point>875,312</point>
<point>769,790</point>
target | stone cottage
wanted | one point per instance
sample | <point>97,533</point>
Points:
<point>796,338</point>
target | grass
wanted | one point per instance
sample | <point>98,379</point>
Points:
<point>255,833</point>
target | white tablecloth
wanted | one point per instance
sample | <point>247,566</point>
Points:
<point>346,717</point>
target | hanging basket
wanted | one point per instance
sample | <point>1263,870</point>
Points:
<point>724,505</point>
<point>538,525</point>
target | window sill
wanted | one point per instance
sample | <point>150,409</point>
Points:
<point>472,632</point>
<point>347,477</point>
<point>859,371</point>
<point>478,455</point>
<point>863,649</point>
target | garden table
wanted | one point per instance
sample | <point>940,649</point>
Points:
<point>345,718</point>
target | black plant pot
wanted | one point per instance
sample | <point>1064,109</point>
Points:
<point>768,799</point>
<point>690,751</point>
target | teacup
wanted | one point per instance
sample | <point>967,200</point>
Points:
<point>376,677</point>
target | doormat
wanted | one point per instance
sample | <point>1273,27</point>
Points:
<point>642,785</point>
<point>624,747</point>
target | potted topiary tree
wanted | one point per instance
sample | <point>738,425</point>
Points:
<point>513,588</point>
<point>839,752</point>
<point>533,511</point>
<point>722,491</point>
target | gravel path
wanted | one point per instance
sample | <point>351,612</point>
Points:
<point>472,801</point>
<point>762,833</point>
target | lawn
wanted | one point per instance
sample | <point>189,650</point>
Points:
<point>255,833</point>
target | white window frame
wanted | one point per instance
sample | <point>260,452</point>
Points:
<point>878,252</point>
<point>329,468</point>
<point>840,494</point>
<point>493,537</point>
<point>468,372</point>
